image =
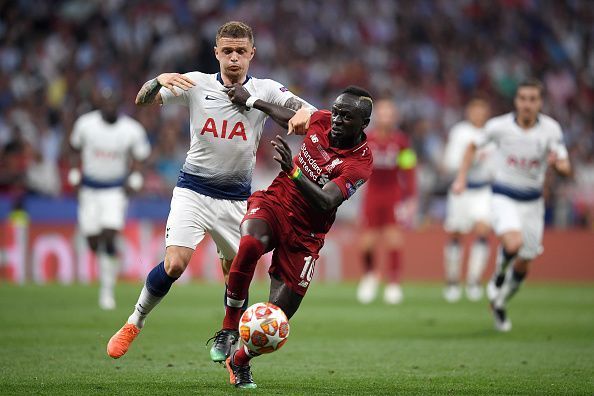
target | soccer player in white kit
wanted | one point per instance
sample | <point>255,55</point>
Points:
<point>215,181</point>
<point>527,142</point>
<point>469,211</point>
<point>106,142</point>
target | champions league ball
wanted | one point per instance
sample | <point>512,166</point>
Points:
<point>263,328</point>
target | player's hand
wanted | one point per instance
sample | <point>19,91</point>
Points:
<point>237,94</point>
<point>172,80</point>
<point>299,123</point>
<point>284,156</point>
<point>552,158</point>
<point>459,185</point>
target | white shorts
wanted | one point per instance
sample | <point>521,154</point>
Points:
<point>524,216</point>
<point>192,215</point>
<point>101,208</point>
<point>466,209</point>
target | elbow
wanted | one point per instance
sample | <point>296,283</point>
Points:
<point>327,205</point>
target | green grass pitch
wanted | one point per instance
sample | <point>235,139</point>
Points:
<point>53,338</point>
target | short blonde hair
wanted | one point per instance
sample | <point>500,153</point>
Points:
<point>235,29</point>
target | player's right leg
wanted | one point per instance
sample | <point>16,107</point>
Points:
<point>368,285</point>
<point>393,241</point>
<point>185,228</point>
<point>157,285</point>
<point>456,224</point>
<point>477,261</point>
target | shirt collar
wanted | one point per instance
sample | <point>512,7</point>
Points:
<point>220,79</point>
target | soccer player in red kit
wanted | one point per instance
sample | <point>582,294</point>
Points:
<point>294,214</point>
<point>391,184</point>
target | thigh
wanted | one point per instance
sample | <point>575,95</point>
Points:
<point>479,205</point>
<point>532,229</point>
<point>188,219</point>
<point>226,229</point>
<point>457,218</point>
<point>506,217</point>
<point>88,212</point>
<point>283,296</point>
<point>294,260</point>
<point>113,204</point>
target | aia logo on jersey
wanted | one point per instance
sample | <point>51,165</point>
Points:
<point>523,163</point>
<point>314,138</point>
<point>210,126</point>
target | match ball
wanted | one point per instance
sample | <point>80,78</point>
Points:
<point>263,328</point>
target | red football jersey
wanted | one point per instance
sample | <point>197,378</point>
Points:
<point>389,181</point>
<point>319,162</point>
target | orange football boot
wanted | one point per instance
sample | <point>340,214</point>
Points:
<point>120,342</point>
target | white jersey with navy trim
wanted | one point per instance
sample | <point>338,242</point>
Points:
<point>106,148</point>
<point>224,136</point>
<point>521,159</point>
<point>460,136</point>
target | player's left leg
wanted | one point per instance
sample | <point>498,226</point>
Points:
<point>393,241</point>
<point>367,287</point>
<point>284,297</point>
<point>255,241</point>
<point>108,268</point>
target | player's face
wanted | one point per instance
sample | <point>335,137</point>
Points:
<point>109,108</point>
<point>528,103</point>
<point>234,56</point>
<point>385,114</point>
<point>347,122</point>
<point>478,113</point>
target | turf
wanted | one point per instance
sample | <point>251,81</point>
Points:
<point>52,341</point>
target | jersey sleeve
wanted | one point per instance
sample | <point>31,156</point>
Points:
<point>320,121</point>
<point>556,144</point>
<point>76,137</point>
<point>488,135</point>
<point>279,94</point>
<point>141,147</point>
<point>184,96</point>
<point>351,177</point>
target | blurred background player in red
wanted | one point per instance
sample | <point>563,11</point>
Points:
<point>391,187</point>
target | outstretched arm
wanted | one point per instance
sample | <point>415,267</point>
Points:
<point>327,198</point>
<point>149,93</point>
<point>294,115</point>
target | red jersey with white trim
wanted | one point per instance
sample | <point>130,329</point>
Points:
<point>390,182</point>
<point>348,168</point>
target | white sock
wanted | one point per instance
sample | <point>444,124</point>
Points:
<point>479,254</point>
<point>108,272</point>
<point>453,262</point>
<point>145,304</point>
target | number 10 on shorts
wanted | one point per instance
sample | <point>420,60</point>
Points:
<point>308,271</point>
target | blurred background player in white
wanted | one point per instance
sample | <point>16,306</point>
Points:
<point>391,187</point>
<point>469,211</point>
<point>109,148</point>
<point>527,142</point>
<point>215,181</point>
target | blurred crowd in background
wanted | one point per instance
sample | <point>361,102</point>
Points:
<point>430,56</point>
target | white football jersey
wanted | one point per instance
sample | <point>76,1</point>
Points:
<point>461,135</point>
<point>224,137</point>
<point>106,148</point>
<point>521,160</point>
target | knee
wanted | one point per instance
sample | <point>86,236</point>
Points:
<point>175,264</point>
<point>521,266</point>
<point>109,243</point>
<point>512,245</point>
<point>250,248</point>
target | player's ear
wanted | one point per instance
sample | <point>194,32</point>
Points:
<point>365,122</point>
<point>253,53</point>
<point>216,51</point>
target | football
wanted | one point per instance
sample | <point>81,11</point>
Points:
<point>264,328</point>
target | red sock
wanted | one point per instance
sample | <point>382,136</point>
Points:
<point>394,267</point>
<point>240,277</point>
<point>241,358</point>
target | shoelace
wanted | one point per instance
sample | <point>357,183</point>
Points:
<point>129,332</point>
<point>243,374</point>
<point>218,338</point>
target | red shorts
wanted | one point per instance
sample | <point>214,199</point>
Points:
<point>379,214</point>
<point>295,251</point>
